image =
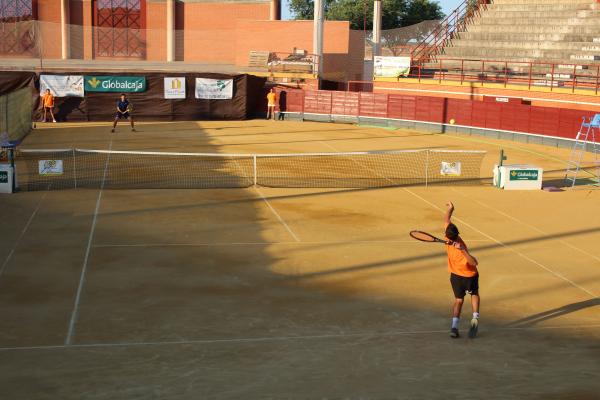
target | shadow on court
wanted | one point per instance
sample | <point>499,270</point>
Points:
<point>555,313</point>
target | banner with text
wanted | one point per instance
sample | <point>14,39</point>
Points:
<point>62,85</point>
<point>175,88</point>
<point>391,67</point>
<point>214,89</point>
<point>131,84</point>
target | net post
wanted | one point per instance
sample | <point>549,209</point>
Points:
<point>427,168</point>
<point>254,169</point>
<point>74,170</point>
<point>11,160</point>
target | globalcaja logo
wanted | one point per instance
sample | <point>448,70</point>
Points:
<point>115,84</point>
<point>523,175</point>
<point>94,82</point>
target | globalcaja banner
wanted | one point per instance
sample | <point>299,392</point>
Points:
<point>391,67</point>
<point>524,175</point>
<point>175,88</point>
<point>131,84</point>
<point>62,85</point>
<point>214,89</point>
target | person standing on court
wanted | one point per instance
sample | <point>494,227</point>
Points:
<point>123,111</point>
<point>464,276</point>
<point>271,96</point>
<point>48,105</point>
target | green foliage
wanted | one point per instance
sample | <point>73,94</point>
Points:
<point>395,13</point>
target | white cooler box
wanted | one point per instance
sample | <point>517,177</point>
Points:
<point>518,177</point>
<point>6,178</point>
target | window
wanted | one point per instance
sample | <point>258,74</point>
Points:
<point>119,28</point>
<point>17,29</point>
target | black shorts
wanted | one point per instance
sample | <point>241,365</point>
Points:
<point>462,285</point>
<point>122,115</point>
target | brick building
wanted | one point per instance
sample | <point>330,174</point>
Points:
<point>218,34</point>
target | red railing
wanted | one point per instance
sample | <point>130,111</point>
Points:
<point>454,22</point>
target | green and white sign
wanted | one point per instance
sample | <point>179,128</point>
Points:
<point>131,84</point>
<point>214,89</point>
<point>524,175</point>
<point>3,176</point>
<point>391,67</point>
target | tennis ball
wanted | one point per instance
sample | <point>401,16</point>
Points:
<point>452,121</point>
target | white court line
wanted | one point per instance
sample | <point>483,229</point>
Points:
<point>233,244</point>
<point>529,226</point>
<point>286,338</point>
<point>75,312</point>
<point>12,251</point>
<point>507,247</point>
<point>496,240</point>
<point>291,232</point>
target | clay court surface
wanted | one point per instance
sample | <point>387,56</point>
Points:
<point>265,293</point>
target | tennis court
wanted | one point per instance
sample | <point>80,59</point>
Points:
<point>274,292</point>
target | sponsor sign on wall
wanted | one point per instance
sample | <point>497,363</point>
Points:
<point>62,85</point>
<point>450,169</point>
<point>391,67</point>
<point>175,88</point>
<point>50,167</point>
<point>214,89</point>
<point>3,176</point>
<point>131,84</point>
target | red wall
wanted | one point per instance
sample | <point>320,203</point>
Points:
<point>525,118</point>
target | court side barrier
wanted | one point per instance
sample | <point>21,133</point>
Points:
<point>498,118</point>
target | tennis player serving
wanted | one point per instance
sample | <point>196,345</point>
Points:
<point>464,276</point>
<point>123,111</point>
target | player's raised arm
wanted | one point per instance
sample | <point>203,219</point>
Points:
<point>448,215</point>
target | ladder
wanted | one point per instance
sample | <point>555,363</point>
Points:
<point>585,138</point>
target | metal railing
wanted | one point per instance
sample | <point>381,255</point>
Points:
<point>454,22</point>
<point>527,74</point>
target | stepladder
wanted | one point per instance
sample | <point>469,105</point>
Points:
<point>585,142</point>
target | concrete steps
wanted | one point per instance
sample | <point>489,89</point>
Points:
<point>559,31</point>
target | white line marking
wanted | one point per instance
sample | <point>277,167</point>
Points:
<point>277,215</point>
<point>12,251</point>
<point>507,246</point>
<point>284,338</point>
<point>225,244</point>
<point>529,226</point>
<point>75,313</point>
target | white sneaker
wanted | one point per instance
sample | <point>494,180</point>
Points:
<point>474,327</point>
<point>54,120</point>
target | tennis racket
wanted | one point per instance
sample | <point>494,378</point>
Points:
<point>426,237</point>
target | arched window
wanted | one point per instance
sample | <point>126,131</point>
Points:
<point>17,30</point>
<point>119,28</point>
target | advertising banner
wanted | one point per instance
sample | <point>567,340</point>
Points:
<point>62,85</point>
<point>175,88</point>
<point>524,175</point>
<point>450,169</point>
<point>391,67</point>
<point>130,84</point>
<point>214,89</point>
<point>50,167</point>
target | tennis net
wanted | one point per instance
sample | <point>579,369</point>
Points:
<point>80,168</point>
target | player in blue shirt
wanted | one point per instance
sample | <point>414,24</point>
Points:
<point>123,111</point>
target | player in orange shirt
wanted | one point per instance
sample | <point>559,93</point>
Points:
<point>464,276</point>
<point>271,104</point>
<point>48,104</point>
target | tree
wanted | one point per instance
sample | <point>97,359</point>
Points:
<point>395,13</point>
